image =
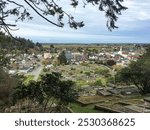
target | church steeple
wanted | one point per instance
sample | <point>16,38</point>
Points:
<point>120,51</point>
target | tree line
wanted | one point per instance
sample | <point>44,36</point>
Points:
<point>9,43</point>
<point>50,94</point>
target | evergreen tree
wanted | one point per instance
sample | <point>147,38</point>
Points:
<point>62,58</point>
<point>137,73</point>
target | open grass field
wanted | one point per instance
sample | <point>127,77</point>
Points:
<point>83,75</point>
<point>28,79</point>
<point>75,45</point>
<point>77,108</point>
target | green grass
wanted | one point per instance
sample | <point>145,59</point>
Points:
<point>77,108</point>
<point>28,79</point>
<point>103,80</point>
<point>88,73</point>
<point>81,83</point>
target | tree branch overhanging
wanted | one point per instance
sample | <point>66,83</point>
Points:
<point>42,15</point>
<point>45,8</point>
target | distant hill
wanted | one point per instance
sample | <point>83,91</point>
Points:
<point>6,42</point>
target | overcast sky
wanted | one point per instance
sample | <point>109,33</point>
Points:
<point>134,26</point>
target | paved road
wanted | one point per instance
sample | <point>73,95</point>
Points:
<point>36,72</point>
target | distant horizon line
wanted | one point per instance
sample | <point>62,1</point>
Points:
<point>90,43</point>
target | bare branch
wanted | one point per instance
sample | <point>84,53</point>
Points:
<point>42,15</point>
<point>15,3</point>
